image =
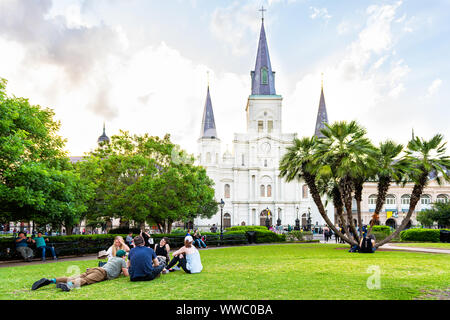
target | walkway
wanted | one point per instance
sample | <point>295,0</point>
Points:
<point>415,249</point>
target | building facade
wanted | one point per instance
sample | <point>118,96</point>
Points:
<point>247,178</point>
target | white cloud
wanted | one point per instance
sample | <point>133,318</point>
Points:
<point>320,13</point>
<point>434,87</point>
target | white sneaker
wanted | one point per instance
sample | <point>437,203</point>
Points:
<point>176,268</point>
<point>165,271</point>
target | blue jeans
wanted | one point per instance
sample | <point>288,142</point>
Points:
<point>200,243</point>
<point>149,277</point>
<point>43,248</point>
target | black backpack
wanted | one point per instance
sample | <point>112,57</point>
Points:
<point>366,246</point>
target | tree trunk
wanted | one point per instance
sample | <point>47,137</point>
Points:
<point>415,197</point>
<point>383,187</point>
<point>358,198</point>
<point>337,202</point>
<point>310,181</point>
<point>346,192</point>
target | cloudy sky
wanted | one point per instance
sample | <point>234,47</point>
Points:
<point>141,65</point>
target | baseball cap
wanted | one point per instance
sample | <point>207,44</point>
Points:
<point>189,239</point>
<point>102,254</point>
<point>120,253</point>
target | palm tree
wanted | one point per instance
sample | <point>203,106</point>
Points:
<point>424,158</point>
<point>388,170</point>
<point>348,156</point>
<point>298,164</point>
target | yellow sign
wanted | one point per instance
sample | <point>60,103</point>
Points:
<point>388,214</point>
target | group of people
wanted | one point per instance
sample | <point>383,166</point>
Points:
<point>140,263</point>
<point>22,242</point>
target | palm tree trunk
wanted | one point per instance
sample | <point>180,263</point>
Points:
<point>337,202</point>
<point>383,186</point>
<point>310,181</point>
<point>415,197</point>
<point>358,198</point>
<point>346,192</point>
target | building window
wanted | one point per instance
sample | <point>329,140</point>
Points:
<point>260,126</point>
<point>269,190</point>
<point>270,126</point>
<point>208,157</point>
<point>442,198</point>
<point>227,191</point>
<point>243,159</point>
<point>425,199</point>
<point>305,191</point>
<point>265,163</point>
<point>217,158</point>
<point>390,199</point>
<point>406,199</point>
<point>264,76</point>
<point>373,199</point>
<point>263,191</point>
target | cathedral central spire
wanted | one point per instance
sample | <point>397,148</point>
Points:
<point>263,78</point>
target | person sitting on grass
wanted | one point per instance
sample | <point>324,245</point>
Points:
<point>143,264</point>
<point>41,244</point>
<point>367,244</point>
<point>187,257</point>
<point>162,250</point>
<point>119,244</point>
<point>198,239</point>
<point>111,270</point>
<point>22,247</point>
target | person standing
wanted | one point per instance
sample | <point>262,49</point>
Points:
<point>41,244</point>
<point>143,264</point>
<point>22,247</point>
<point>146,236</point>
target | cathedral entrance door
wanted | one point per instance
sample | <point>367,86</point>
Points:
<point>263,217</point>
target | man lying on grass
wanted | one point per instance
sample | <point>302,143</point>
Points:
<point>111,270</point>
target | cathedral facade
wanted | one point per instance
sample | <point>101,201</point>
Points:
<point>248,178</point>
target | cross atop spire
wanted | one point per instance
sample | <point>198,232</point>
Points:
<point>262,10</point>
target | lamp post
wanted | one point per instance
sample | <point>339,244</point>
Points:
<point>297,221</point>
<point>267,218</point>
<point>279,217</point>
<point>309,219</point>
<point>222,204</point>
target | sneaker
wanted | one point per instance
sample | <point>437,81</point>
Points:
<point>40,283</point>
<point>63,287</point>
<point>171,270</point>
<point>165,271</point>
<point>176,268</point>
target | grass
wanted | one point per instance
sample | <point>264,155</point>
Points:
<point>432,245</point>
<point>288,271</point>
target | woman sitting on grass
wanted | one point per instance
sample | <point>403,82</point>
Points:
<point>119,244</point>
<point>187,257</point>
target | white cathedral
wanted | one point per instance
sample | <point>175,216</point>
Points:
<point>248,179</point>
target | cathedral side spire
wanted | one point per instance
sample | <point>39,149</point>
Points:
<point>322,116</point>
<point>208,129</point>
<point>263,78</point>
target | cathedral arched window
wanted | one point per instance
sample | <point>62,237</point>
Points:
<point>263,191</point>
<point>264,76</point>
<point>227,191</point>
<point>305,191</point>
<point>243,159</point>
<point>269,190</point>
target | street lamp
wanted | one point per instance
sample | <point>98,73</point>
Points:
<point>267,218</point>
<point>222,204</point>
<point>297,221</point>
<point>309,219</point>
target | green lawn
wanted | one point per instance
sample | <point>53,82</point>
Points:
<point>296,271</point>
<point>433,245</point>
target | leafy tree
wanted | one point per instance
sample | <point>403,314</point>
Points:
<point>145,178</point>
<point>37,181</point>
<point>440,213</point>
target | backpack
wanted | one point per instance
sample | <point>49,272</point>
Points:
<point>366,246</point>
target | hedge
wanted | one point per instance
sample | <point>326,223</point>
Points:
<point>422,235</point>
<point>382,229</point>
<point>247,228</point>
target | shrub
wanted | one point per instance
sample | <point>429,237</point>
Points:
<point>297,235</point>
<point>247,228</point>
<point>382,229</point>
<point>124,231</point>
<point>423,235</point>
<point>269,236</point>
